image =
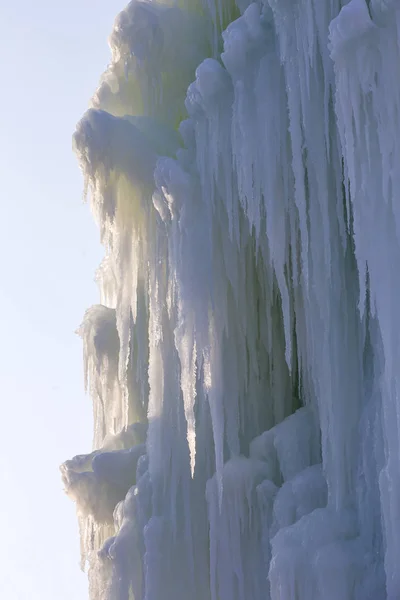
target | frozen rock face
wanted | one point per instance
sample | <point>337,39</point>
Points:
<point>243,164</point>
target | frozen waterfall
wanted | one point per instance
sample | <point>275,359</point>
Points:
<point>242,161</point>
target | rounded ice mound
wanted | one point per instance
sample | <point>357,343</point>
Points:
<point>137,31</point>
<point>104,143</point>
<point>156,48</point>
<point>300,496</point>
<point>353,21</point>
<point>118,468</point>
<point>104,483</point>
<point>212,82</point>
<point>289,447</point>
<point>297,549</point>
<point>155,33</point>
<point>244,37</point>
<point>93,497</point>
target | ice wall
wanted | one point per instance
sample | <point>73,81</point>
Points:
<point>243,164</point>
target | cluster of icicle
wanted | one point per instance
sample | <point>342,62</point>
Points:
<point>243,164</point>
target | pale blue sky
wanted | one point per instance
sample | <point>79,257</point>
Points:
<point>52,54</point>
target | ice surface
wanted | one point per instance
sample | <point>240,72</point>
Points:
<point>242,162</point>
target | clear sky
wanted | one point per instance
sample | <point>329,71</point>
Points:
<point>52,54</point>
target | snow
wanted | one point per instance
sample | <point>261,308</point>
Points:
<point>242,165</point>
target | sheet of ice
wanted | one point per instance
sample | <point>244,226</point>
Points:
<point>242,162</point>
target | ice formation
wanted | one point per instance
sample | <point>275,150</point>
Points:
<point>242,161</point>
